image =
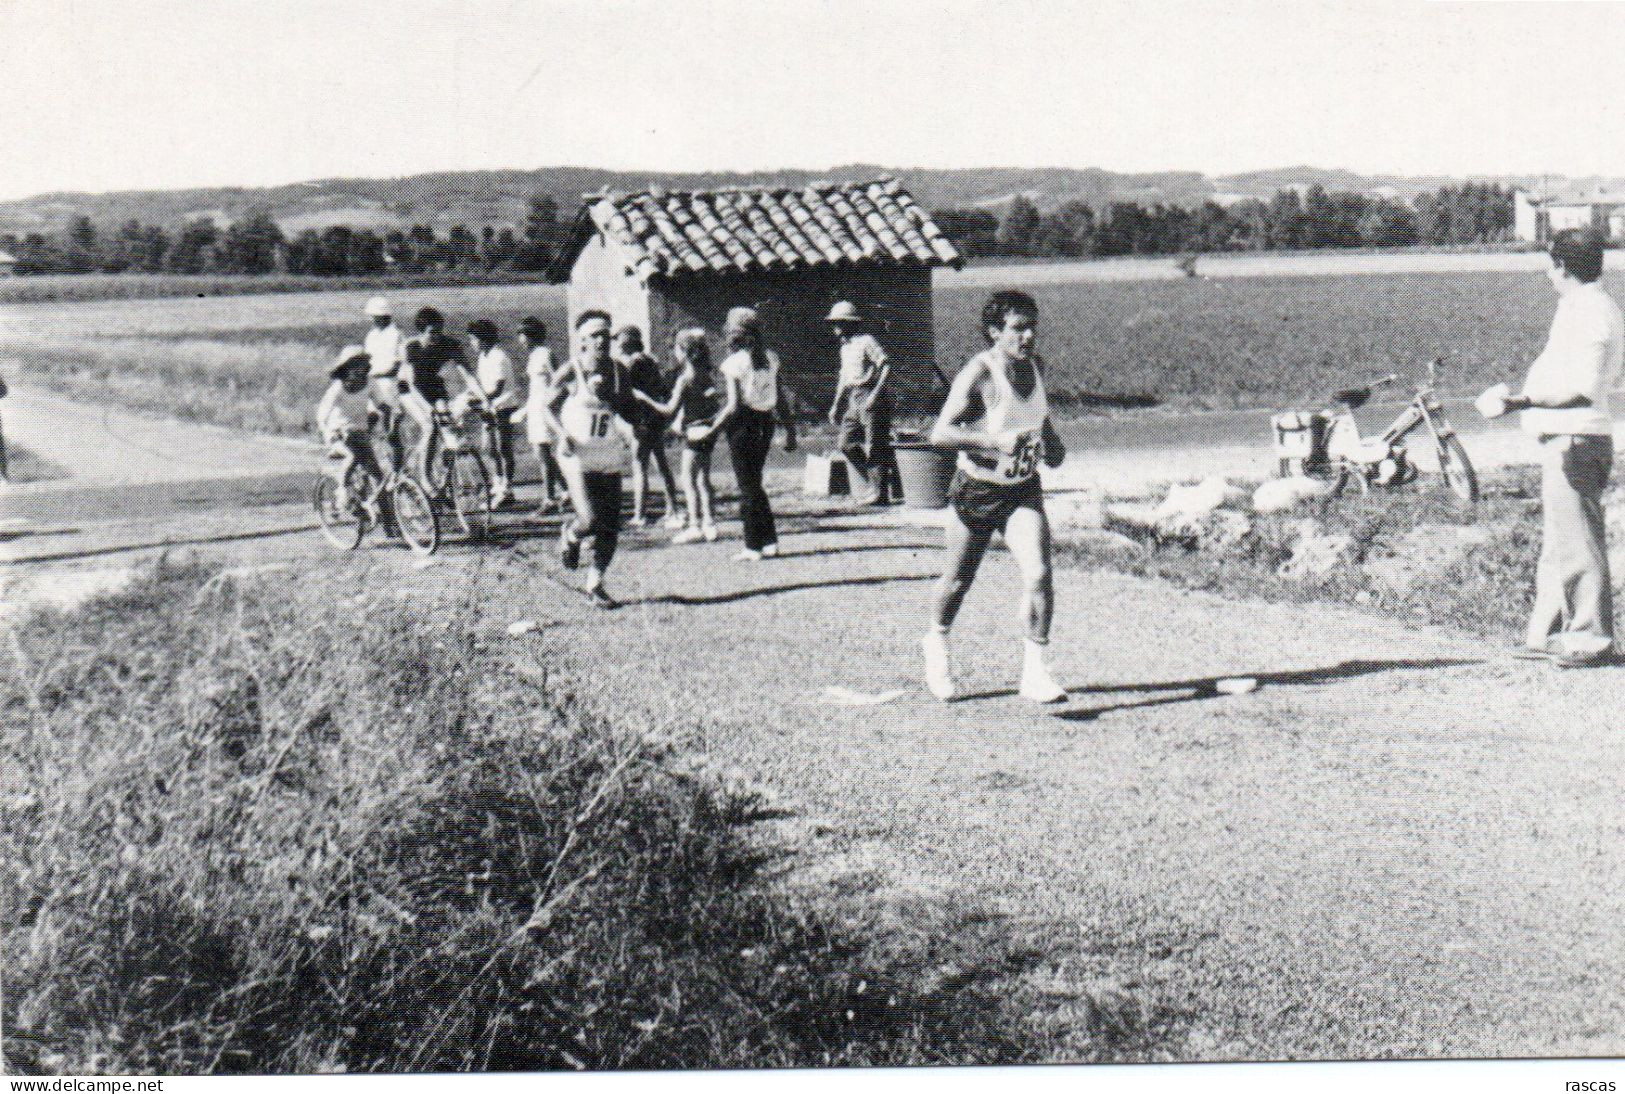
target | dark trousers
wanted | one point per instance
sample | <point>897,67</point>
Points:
<point>865,441</point>
<point>1574,609</point>
<point>750,434</point>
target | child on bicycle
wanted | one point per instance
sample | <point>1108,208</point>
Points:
<point>344,415</point>
<point>427,358</point>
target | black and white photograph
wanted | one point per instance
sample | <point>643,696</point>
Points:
<point>655,537</point>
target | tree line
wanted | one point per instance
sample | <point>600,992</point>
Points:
<point>255,244</point>
<point>1292,219</point>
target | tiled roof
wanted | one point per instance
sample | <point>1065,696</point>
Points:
<point>695,233</point>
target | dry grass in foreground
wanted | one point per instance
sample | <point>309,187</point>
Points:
<point>253,826</point>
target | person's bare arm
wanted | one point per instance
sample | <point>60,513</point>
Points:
<point>550,413</point>
<point>786,411</point>
<point>961,406</point>
<point>730,404</point>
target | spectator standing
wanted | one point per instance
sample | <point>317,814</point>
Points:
<point>499,383</point>
<point>1565,405</point>
<point>648,391</point>
<point>539,370</point>
<point>385,347</point>
<point>753,402</point>
<point>861,409</point>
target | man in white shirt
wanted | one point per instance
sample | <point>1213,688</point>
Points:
<point>1565,405</point>
<point>383,346</point>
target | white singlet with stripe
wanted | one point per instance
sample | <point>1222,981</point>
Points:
<point>1005,411</point>
<point>589,422</point>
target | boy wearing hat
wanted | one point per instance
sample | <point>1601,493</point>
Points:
<point>384,344</point>
<point>343,415</point>
<point>861,410</point>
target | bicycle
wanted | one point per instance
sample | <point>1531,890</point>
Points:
<point>396,500</point>
<point>1329,446</point>
<point>455,473</point>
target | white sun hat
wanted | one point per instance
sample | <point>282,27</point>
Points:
<point>379,306</point>
<point>844,311</point>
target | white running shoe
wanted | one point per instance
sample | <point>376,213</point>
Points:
<point>939,677</point>
<point>711,533</point>
<point>748,555</point>
<point>1036,682</point>
<point>639,521</point>
<point>676,521</point>
<point>770,551</point>
<point>687,535</point>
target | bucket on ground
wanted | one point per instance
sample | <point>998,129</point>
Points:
<point>926,473</point>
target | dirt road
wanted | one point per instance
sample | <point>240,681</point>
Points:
<point>1404,844</point>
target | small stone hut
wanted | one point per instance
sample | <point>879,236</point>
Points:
<point>666,260</point>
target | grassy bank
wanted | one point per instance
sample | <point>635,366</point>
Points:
<point>1410,554</point>
<point>256,826</point>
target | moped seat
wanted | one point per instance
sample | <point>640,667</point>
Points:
<point>1353,397</point>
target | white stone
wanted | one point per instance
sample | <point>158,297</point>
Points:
<point>1279,495</point>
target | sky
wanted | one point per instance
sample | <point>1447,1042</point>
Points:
<point>137,94</point>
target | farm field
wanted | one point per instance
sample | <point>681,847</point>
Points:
<point>255,362</point>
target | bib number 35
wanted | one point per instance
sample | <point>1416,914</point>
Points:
<point>1024,460</point>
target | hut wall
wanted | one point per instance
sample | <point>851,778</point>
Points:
<point>600,279</point>
<point>793,305</point>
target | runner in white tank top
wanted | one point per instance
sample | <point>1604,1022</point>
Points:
<point>594,444</point>
<point>1008,414</point>
<point>997,418</point>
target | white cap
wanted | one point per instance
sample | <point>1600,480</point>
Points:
<point>379,306</point>
<point>844,311</point>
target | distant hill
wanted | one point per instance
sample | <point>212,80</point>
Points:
<point>476,198</point>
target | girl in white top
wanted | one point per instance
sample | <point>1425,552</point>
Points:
<point>754,397</point>
<point>499,384</point>
<point>539,372</point>
<point>997,418</point>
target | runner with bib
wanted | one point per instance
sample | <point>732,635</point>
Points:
<point>587,414</point>
<point>997,418</point>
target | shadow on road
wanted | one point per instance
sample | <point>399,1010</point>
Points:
<point>685,601</point>
<point>1207,687</point>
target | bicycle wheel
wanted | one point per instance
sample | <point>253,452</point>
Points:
<point>414,516</point>
<point>436,467</point>
<point>471,494</point>
<point>1457,469</point>
<point>343,526</point>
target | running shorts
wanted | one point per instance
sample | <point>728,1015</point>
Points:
<point>986,507</point>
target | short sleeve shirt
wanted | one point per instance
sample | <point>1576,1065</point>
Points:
<point>496,367</point>
<point>384,346</point>
<point>861,360</point>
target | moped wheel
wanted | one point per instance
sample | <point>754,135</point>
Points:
<point>1457,469</point>
<point>470,487</point>
<point>415,517</point>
